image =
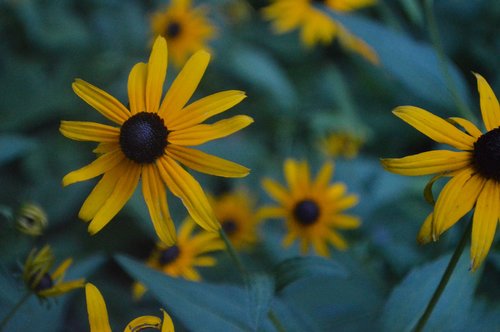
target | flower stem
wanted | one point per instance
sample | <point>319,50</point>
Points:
<point>444,279</point>
<point>436,41</point>
<point>233,254</point>
<point>13,311</point>
<point>276,322</point>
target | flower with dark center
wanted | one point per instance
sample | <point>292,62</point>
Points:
<point>143,137</point>
<point>169,255</point>
<point>45,282</point>
<point>229,226</point>
<point>306,212</point>
<point>486,155</point>
<point>173,30</point>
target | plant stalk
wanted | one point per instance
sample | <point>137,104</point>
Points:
<point>13,311</point>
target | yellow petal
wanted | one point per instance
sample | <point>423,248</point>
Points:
<point>186,229</point>
<point>184,186</point>
<point>304,176</point>
<point>343,221</point>
<point>324,176</point>
<point>353,43</point>
<point>267,212</point>
<point>138,290</point>
<point>62,288</point>
<point>435,127</point>
<point>143,322</point>
<point>167,324</point>
<point>202,109</point>
<point>456,199</point>
<point>102,101</point>
<point>155,196</point>
<point>337,241</point>
<point>122,192</point>
<point>184,86</point>
<point>205,261</point>
<point>320,247</point>
<point>490,109</point>
<point>96,308</point>
<point>430,162</point>
<point>292,174</point>
<point>206,163</point>
<point>157,70</point>
<point>101,165</point>
<point>103,148</point>
<point>425,234</point>
<point>61,269</point>
<point>203,133</point>
<point>484,222</point>
<point>276,191</point>
<point>137,88</point>
<point>89,131</point>
<point>335,191</point>
<point>345,202</point>
<point>468,126</point>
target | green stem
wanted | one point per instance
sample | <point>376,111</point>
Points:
<point>233,254</point>
<point>13,311</point>
<point>444,279</point>
<point>436,41</point>
<point>276,322</point>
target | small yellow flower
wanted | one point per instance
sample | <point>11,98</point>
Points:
<point>151,139</point>
<point>186,29</point>
<point>343,144</point>
<point>317,27</point>
<point>182,258</point>
<point>99,322</point>
<point>31,219</point>
<point>235,211</point>
<point>474,170</point>
<point>37,278</point>
<point>313,209</point>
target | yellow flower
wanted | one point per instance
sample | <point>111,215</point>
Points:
<point>235,211</point>
<point>150,140</point>
<point>181,259</point>
<point>315,26</point>
<point>313,209</point>
<point>343,144</point>
<point>99,322</point>
<point>37,278</point>
<point>31,219</point>
<point>186,29</point>
<point>474,170</point>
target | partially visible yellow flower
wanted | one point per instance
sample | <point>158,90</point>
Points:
<point>341,144</point>
<point>37,278</point>
<point>149,140</point>
<point>315,26</point>
<point>99,321</point>
<point>474,170</point>
<point>237,216</point>
<point>186,29</point>
<point>31,219</point>
<point>182,258</point>
<point>313,209</point>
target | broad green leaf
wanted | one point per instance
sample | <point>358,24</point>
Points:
<point>14,146</point>
<point>408,300</point>
<point>293,269</point>
<point>261,292</point>
<point>196,304</point>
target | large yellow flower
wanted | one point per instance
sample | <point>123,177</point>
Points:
<point>186,29</point>
<point>182,258</point>
<point>99,321</point>
<point>151,138</point>
<point>317,27</point>
<point>313,209</point>
<point>474,171</point>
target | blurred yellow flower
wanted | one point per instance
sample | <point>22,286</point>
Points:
<point>474,171</point>
<point>99,321</point>
<point>37,278</point>
<point>235,211</point>
<point>186,29</point>
<point>31,219</point>
<point>341,144</point>
<point>182,258</point>
<point>313,209</point>
<point>151,139</point>
<point>315,26</point>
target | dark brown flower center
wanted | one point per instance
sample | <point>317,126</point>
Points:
<point>306,212</point>
<point>169,255</point>
<point>229,226</point>
<point>45,282</point>
<point>486,155</point>
<point>173,30</point>
<point>143,137</point>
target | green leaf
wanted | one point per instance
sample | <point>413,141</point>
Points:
<point>413,63</point>
<point>409,299</point>
<point>14,146</point>
<point>293,269</point>
<point>261,293</point>
<point>214,307</point>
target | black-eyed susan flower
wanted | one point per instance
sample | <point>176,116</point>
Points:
<point>99,321</point>
<point>341,144</point>
<point>315,26</point>
<point>150,140</point>
<point>192,250</point>
<point>474,170</point>
<point>186,28</point>
<point>31,219</point>
<point>236,213</point>
<point>313,209</point>
<point>37,278</point>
